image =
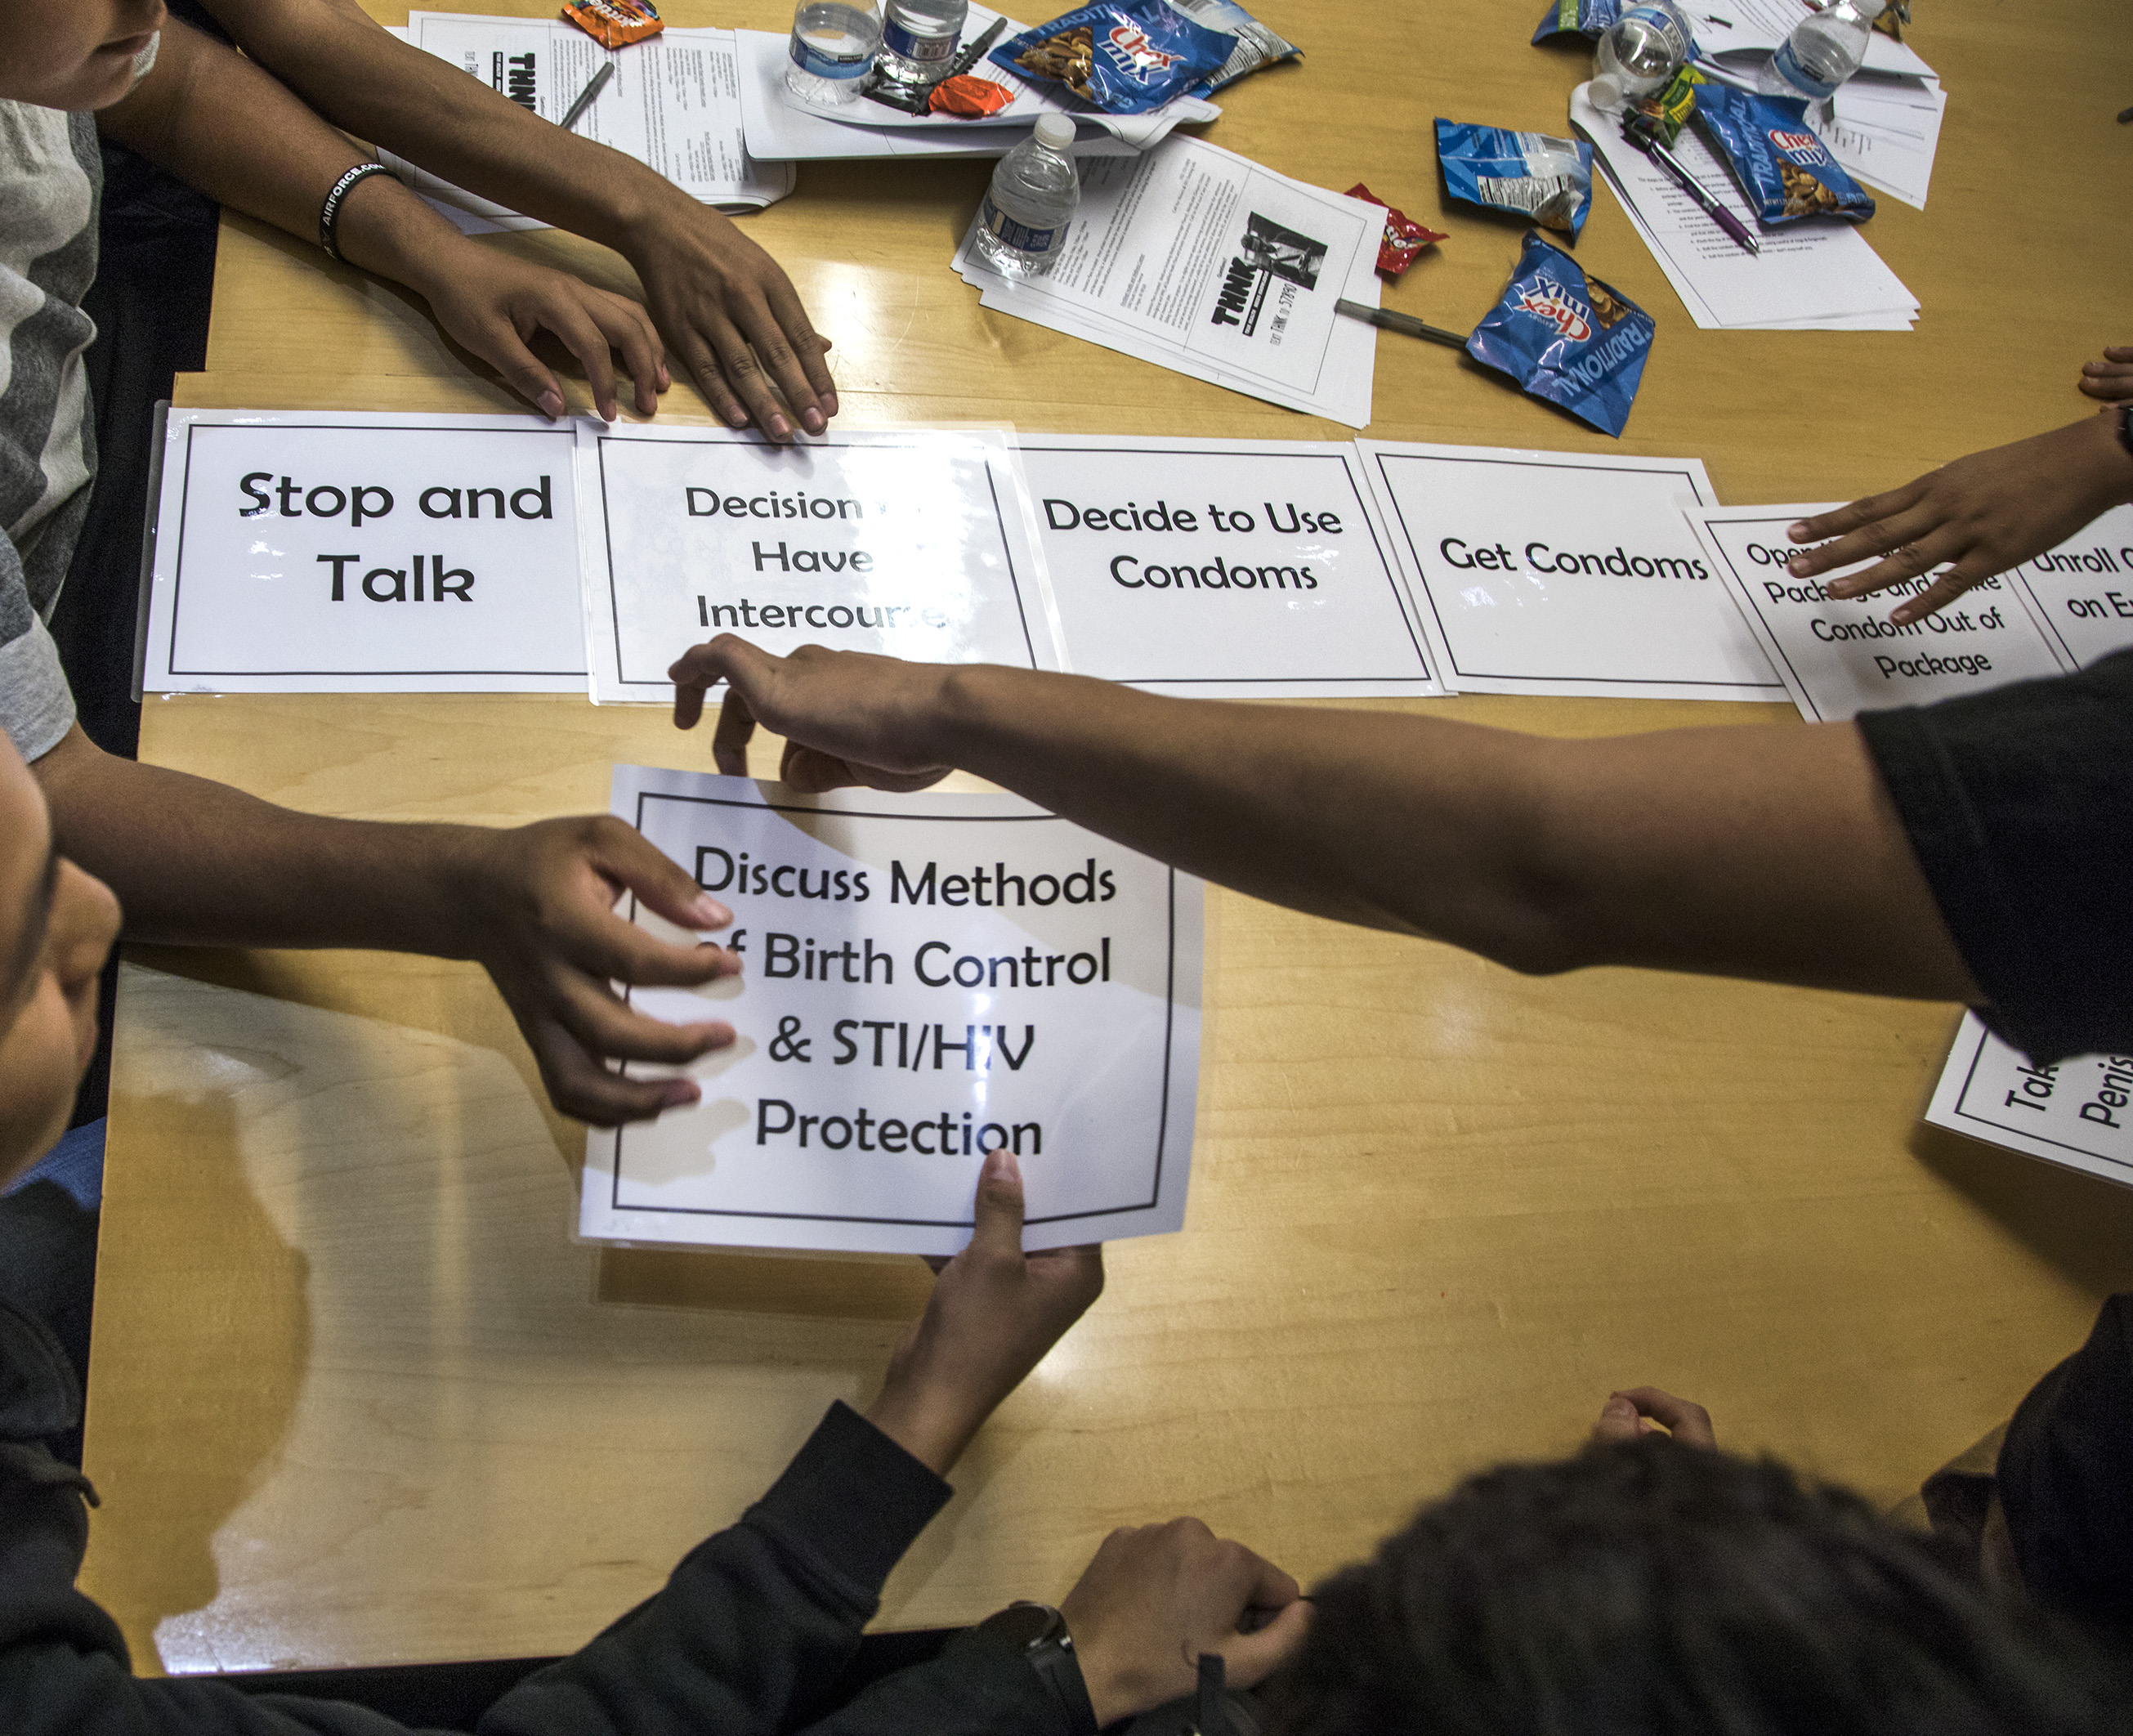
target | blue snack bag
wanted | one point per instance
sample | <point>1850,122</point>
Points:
<point>1567,337</point>
<point>1786,171</point>
<point>1589,18</point>
<point>1122,56</point>
<point>1546,180</point>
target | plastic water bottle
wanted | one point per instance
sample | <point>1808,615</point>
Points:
<point>1823,50</point>
<point>1646,47</point>
<point>918,39</point>
<point>1030,202</point>
<point>833,48</point>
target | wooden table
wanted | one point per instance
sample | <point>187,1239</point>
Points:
<point>358,1398</point>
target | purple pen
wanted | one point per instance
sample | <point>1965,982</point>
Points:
<point>1726,220</point>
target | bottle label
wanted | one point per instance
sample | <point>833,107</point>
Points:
<point>926,50</point>
<point>1020,237</point>
<point>1790,69</point>
<point>810,57</point>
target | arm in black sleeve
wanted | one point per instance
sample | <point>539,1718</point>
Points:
<point>755,1619</point>
<point>971,1690</point>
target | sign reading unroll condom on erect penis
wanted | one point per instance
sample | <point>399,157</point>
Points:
<point>927,979</point>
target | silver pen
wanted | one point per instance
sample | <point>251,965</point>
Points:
<point>1404,323</point>
<point>585,97</point>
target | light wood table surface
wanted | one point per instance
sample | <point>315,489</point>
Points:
<point>358,1398</point>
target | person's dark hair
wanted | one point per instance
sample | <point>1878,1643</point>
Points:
<point>1650,1589</point>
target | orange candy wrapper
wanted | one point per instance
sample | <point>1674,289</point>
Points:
<point>972,99</point>
<point>614,24</point>
<point>1404,237</point>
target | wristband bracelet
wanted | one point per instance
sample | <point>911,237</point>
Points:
<point>329,212</point>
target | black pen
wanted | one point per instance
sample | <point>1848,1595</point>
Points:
<point>585,97</point>
<point>1406,324</point>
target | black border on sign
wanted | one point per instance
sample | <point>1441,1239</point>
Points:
<point>178,558</point>
<point>1422,573</point>
<point>1169,1031</point>
<point>607,531</point>
<point>1387,562</point>
<point>1969,1077</point>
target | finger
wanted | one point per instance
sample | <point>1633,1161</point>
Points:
<point>1250,1658</point>
<point>745,373</point>
<point>1843,521</point>
<point>1686,1421</point>
<point>626,856</point>
<point>812,347</point>
<point>1618,1421</point>
<point>582,1088</point>
<point>996,1234</point>
<point>728,657</point>
<point>1970,571</point>
<point>779,357</point>
<point>524,372</point>
<point>606,1028</point>
<point>730,741</point>
<point>1899,532</point>
<point>702,362</point>
<point>570,321</point>
<point>1908,560</point>
<point>629,329</point>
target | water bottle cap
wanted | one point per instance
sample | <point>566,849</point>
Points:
<point>1605,93</point>
<point>1055,130</point>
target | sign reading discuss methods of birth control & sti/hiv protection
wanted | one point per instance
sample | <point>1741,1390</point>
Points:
<point>927,978</point>
<point>915,544</point>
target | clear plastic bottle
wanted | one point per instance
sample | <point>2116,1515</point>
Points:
<point>1032,198</point>
<point>834,44</point>
<point>918,39</point>
<point>1823,50</point>
<point>1646,47</point>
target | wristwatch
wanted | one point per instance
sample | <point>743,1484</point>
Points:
<point>1039,1633</point>
<point>2125,426</point>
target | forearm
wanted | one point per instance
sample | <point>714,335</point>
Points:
<point>1763,852</point>
<point>432,112</point>
<point>197,863</point>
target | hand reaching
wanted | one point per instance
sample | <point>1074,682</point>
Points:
<point>2111,378</point>
<point>1641,1411</point>
<point>1977,516</point>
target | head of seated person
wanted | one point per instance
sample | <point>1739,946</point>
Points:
<point>56,925</point>
<point>1654,1589</point>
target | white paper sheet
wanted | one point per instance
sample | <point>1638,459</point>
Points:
<point>1753,29</point>
<point>1809,271</point>
<point>1885,133</point>
<point>1839,659</point>
<point>673,103</point>
<point>1195,258</point>
<point>2082,590</point>
<point>925,977</point>
<point>917,543</point>
<point>1563,572</point>
<point>2077,1113</point>
<point>1223,569</point>
<point>350,553</point>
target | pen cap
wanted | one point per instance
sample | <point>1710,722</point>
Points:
<point>1055,130</point>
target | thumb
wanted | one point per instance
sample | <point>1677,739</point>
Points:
<point>997,1232</point>
<point>1249,1658</point>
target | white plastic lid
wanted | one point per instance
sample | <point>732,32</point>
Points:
<point>1605,95</point>
<point>1055,130</point>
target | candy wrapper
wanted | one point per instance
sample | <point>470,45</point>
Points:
<point>968,98</point>
<point>1122,56</point>
<point>1402,239</point>
<point>1257,45</point>
<point>1786,171</point>
<point>615,23</point>
<point>1589,18</point>
<point>1567,337</point>
<point>1663,115</point>
<point>1547,180</point>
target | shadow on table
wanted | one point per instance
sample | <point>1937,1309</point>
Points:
<point>2080,1225</point>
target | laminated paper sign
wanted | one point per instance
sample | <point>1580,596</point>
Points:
<point>2076,1113</point>
<point>915,544</point>
<point>927,978</point>
<point>360,553</point>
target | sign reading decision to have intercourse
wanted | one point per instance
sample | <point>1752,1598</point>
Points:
<point>1839,658</point>
<point>1564,572</point>
<point>359,552</point>
<point>915,544</point>
<point>2077,1113</point>
<point>927,978</point>
<point>1223,569</point>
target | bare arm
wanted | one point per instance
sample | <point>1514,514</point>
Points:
<point>215,119</point>
<point>1772,853</point>
<point>197,863</point>
<point>724,305</point>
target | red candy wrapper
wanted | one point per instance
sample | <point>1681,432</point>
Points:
<point>614,24</point>
<point>1404,237</point>
<point>972,99</point>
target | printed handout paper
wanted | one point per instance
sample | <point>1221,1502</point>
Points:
<point>915,544</point>
<point>927,978</point>
<point>1564,572</point>
<point>2077,1113</point>
<point>362,553</point>
<point>1839,658</point>
<point>1223,569</point>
